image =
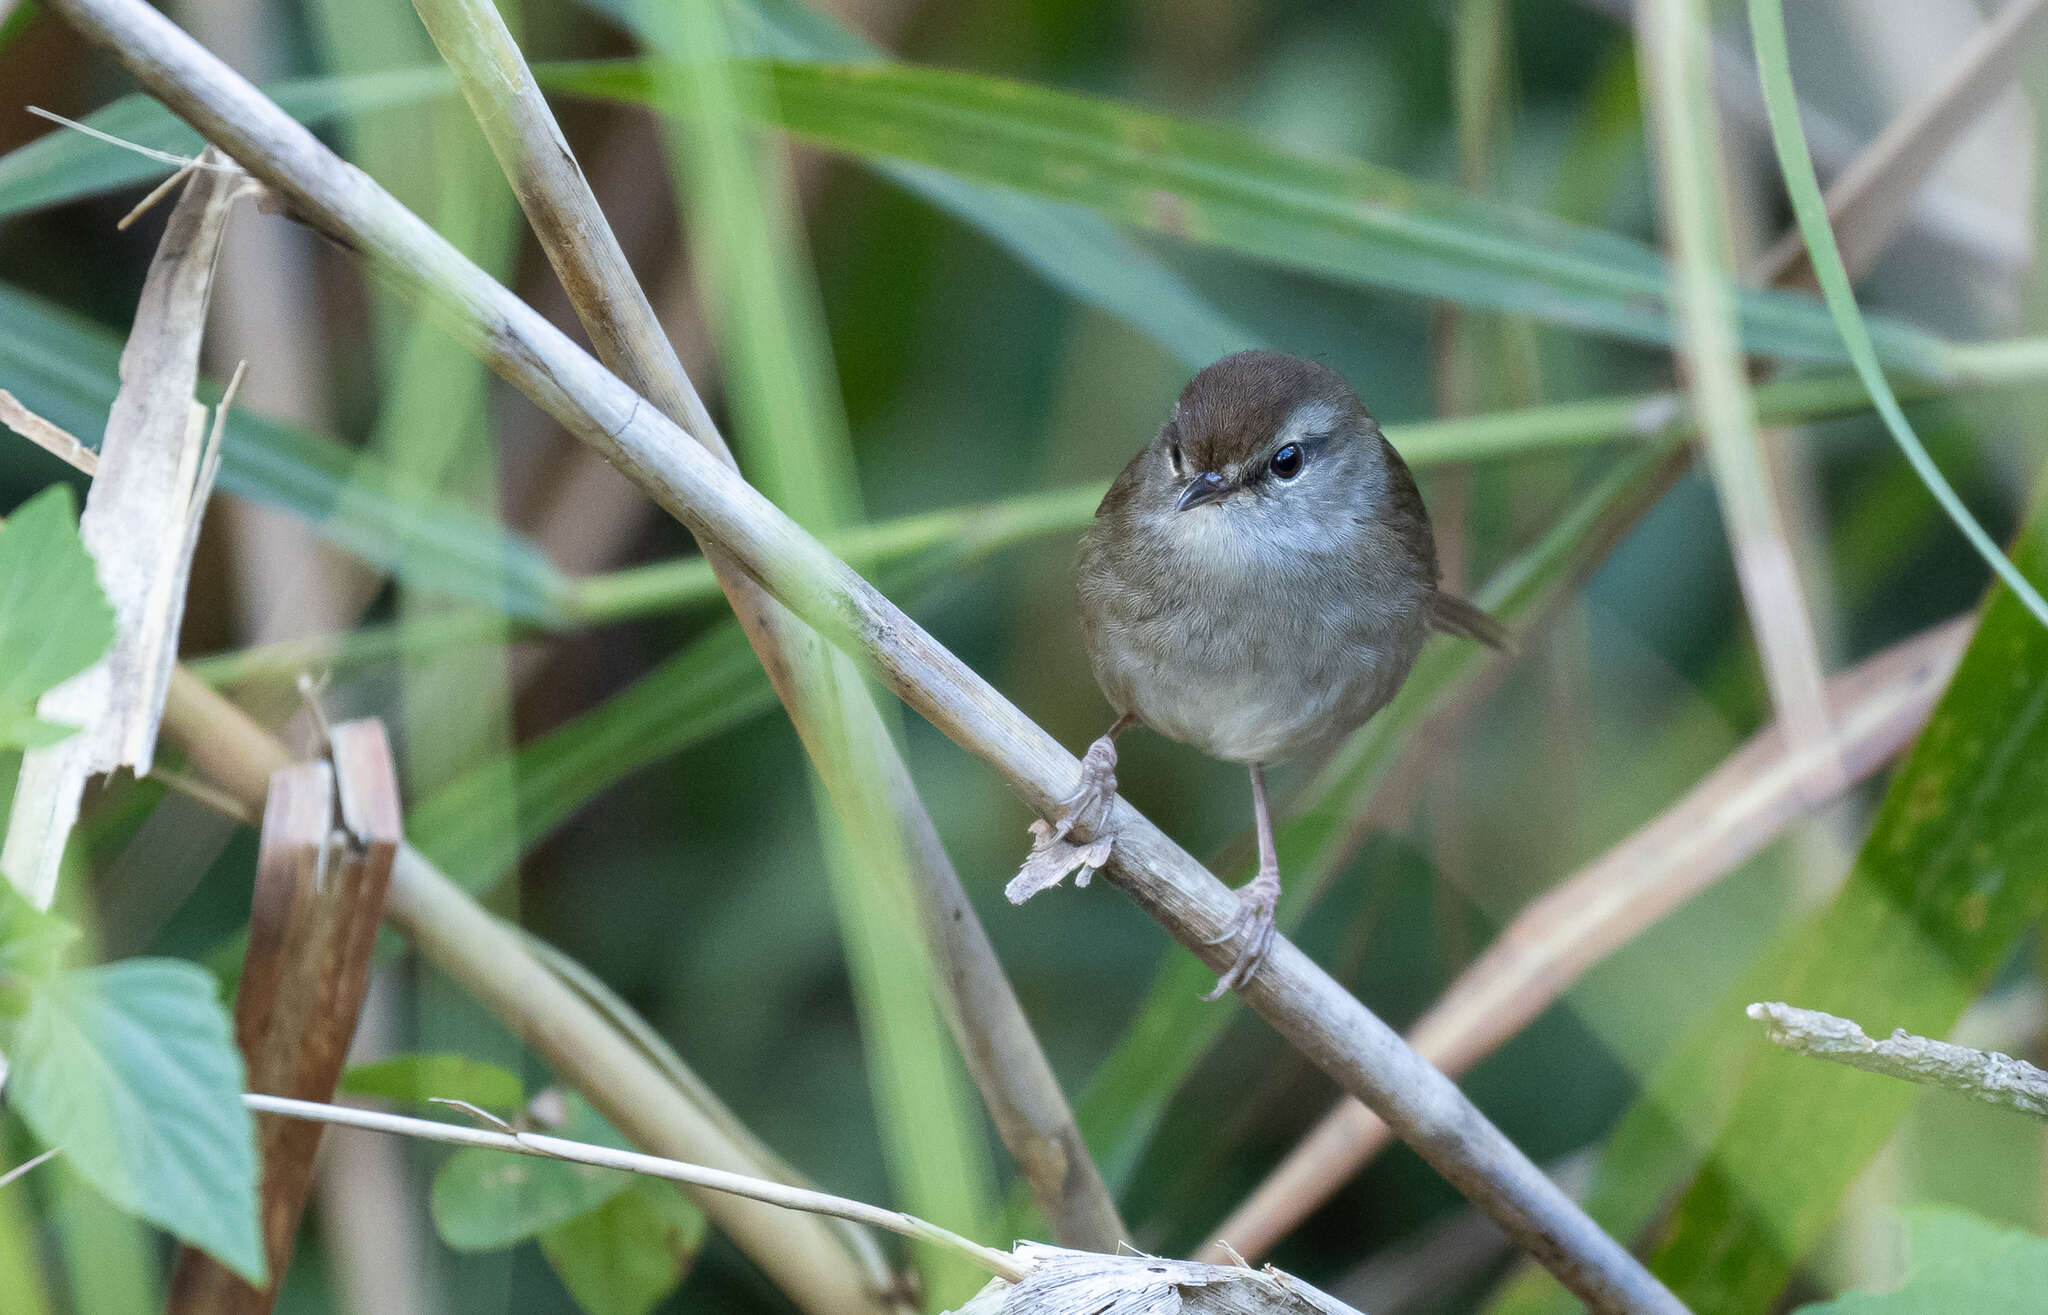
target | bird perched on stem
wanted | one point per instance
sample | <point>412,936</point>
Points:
<point>1257,583</point>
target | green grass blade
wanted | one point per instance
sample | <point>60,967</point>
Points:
<point>784,390</point>
<point>66,369</point>
<point>1336,219</point>
<point>1774,65</point>
<point>1953,873</point>
<point>63,165</point>
<point>1174,1027</point>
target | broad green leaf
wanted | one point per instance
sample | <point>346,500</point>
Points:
<point>65,369</point>
<point>1957,1262</point>
<point>1955,869</point>
<point>1774,63</point>
<point>54,620</point>
<point>485,1200</point>
<point>1336,219</point>
<point>1174,1027</point>
<point>627,1254</point>
<point>131,1068</point>
<point>32,946</point>
<point>421,1078</point>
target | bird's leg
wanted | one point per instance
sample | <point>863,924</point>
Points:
<point>1256,899</point>
<point>1079,839</point>
<point>1084,814</point>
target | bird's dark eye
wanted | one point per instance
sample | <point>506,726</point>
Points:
<point>1286,463</point>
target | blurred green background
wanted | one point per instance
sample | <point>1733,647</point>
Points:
<point>693,880</point>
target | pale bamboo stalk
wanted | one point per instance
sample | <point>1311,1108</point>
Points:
<point>833,716</point>
<point>1876,709</point>
<point>493,963</point>
<point>1304,1003</point>
<point>1672,48</point>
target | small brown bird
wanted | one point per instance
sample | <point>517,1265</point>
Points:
<point>1257,583</point>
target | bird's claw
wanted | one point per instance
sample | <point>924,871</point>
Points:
<point>1256,901</point>
<point>1080,839</point>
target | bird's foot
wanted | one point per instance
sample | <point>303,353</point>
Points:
<point>1081,838</point>
<point>1256,901</point>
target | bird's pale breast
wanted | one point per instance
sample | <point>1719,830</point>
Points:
<point>1244,662</point>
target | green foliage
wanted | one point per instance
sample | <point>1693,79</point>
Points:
<point>32,947</point>
<point>131,1068</point>
<point>626,1255</point>
<point>66,369</point>
<point>1957,1262</point>
<point>484,1199</point>
<point>1343,220</point>
<point>54,620</point>
<point>1953,872</point>
<point>421,1078</point>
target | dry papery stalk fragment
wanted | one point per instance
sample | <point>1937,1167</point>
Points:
<point>156,466</point>
<point>1030,1279</point>
<point>1320,1018</point>
<point>330,833</point>
<point>1984,1075</point>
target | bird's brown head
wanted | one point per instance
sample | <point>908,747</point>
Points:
<point>1265,455</point>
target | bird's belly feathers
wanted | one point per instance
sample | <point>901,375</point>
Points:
<point>1249,683</point>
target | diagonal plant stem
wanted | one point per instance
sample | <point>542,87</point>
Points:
<point>1307,1006</point>
<point>1732,813</point>
<point>830,709</point>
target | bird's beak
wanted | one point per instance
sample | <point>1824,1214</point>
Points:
<point>1205,487</point>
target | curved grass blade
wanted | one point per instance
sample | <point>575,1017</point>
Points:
<point>1774,65</point>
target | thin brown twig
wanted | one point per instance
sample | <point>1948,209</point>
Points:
<point>1732,813</point>
<point>1316,1014</point>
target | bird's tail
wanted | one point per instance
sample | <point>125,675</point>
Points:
<point>1452,615</point>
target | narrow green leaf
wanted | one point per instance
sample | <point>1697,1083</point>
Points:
<point>712,685</point>
<point>1774,64</point>
<point>54,619</point>
<point>66,369</point>
<point>1955,869</point>
<point>1957,1262</point>
<point>131,1069</point>
<point>626,1255</point>
<point>486,1200</point>
<point>1174,1027</point>
<point>1337,219</point>
<point>793,435</point>
<point>421,1078</point>
<point>63,165</point>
